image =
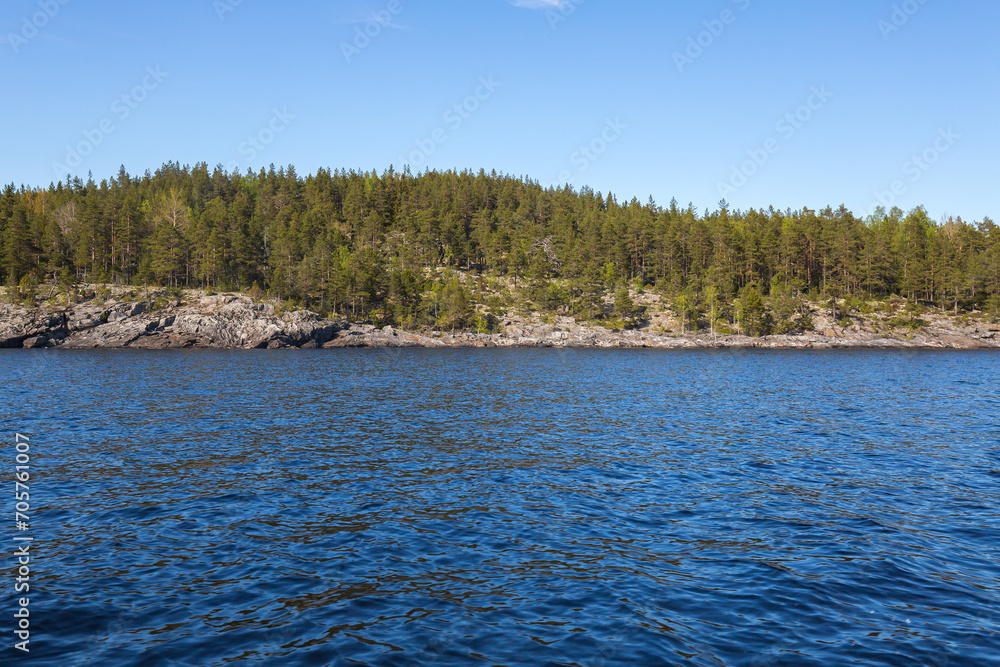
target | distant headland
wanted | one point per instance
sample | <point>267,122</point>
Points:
<point>192,256</point>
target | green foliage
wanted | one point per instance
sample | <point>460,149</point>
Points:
<point>723,328</point>
<point>750,310</point>
<point>628,314</point>
<point>586,300</point>
<point>549,296</point>
<point>858,303</point>
<point>786,307</point>
<point>67,278</point>
<point>366,245</point>
<point>618,324</point>
<point>624,307</point>
<point>485,323</point>
<point>403,297</point>
<point>907,322</point>
<point>26,291</point>
<point>455,309</point>
<point>257,293</point>
<point>993,306</point>
<point>610,275</point>
<point>684,307</point>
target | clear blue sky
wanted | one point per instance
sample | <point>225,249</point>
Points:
<point>595,73</point>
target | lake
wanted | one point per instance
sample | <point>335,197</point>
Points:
<point>506,507</point>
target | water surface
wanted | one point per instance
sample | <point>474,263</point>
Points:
<point>503,507</point>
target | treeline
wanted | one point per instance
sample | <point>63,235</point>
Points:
<point>359,243</point>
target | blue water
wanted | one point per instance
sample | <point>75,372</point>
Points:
<point>507,507</point>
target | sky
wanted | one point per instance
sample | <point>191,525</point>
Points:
<point>761,103</point>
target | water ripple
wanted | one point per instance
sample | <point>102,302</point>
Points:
<point>455,507</point>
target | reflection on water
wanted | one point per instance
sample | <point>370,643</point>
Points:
<point>437,507</point>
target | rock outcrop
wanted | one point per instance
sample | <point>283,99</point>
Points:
<point>519,332</point>
<point>234,321</point>
<point>218,321</point>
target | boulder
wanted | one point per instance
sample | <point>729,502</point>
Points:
<point>35,342</point>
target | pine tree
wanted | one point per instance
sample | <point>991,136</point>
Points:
<point>750,308</point>
<point>17,250</point>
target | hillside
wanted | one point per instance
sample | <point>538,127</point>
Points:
<point>370,246</point>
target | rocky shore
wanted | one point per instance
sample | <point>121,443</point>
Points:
<point>235,321</point>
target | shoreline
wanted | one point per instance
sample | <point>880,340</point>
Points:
<point>360,337</point>
<point>236,321</point>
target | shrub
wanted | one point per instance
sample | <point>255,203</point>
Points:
<point>484,323</point>
<point>905,322</point>
<point>993,305</point>
<point>616,324</point>
<point>750,307</point>
<point>257,292</point>
<point>549,297</point>
<point>26,290</point>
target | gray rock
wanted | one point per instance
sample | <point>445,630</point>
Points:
<point>80,325</point>
<point>111,335</point>
<point>232,321</point>
<point>35,342</point>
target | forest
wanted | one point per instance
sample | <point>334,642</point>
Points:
<point>443,248</point>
